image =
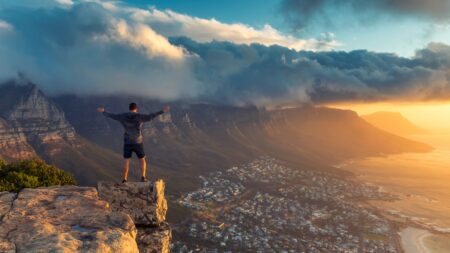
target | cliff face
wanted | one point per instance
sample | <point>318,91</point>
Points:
<point>154,233</point>
<point>75,219</point>
<point>13,143</point>
<point>30,124</point>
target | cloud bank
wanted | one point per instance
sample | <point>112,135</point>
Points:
<point>106,48</point>
<point>275,74</point>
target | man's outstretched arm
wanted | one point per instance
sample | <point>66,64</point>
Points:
<point>151,116</point>
<point>107,114</point>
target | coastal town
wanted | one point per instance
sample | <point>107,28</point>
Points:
<point>265,206</point>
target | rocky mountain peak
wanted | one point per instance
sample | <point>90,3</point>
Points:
<point>31,121</point>
<point>27,102</point>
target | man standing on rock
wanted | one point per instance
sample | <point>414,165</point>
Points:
<point>132,122</point>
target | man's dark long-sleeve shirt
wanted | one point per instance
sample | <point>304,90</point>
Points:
<point>132,123</point>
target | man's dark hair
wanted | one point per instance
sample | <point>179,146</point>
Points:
<point>133,106</point>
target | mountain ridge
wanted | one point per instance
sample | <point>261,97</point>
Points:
<point>189,140</point>
<point>393,122</point>
<point>198,138</point>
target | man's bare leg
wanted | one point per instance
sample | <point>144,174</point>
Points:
<point>126,166</point>
<point>143,167</point>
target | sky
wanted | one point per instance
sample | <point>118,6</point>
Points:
<point>252,12</point>
<point>263,53</point>
<point>397,34</point>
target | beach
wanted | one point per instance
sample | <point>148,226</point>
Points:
<point>412,240</point>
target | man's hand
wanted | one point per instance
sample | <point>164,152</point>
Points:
<point>166,108</point>
<point>101,109</point>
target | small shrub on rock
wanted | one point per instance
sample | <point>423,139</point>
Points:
<point>33,173</point>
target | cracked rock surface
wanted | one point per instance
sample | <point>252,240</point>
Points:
<point>143,201</point>
<point>76,219</point>
<point>63,219</point>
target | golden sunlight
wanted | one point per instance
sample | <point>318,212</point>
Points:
<point>431,116</point>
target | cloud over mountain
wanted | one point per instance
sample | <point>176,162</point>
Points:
<point>275,74</point>
<point>105,47</point>
<point>87,48</point>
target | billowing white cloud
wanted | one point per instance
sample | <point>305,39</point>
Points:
<point>172,24</point>
<point>65,2</point>
<point>143,37</point>
<point>86,48</point>
<point>5,25</point>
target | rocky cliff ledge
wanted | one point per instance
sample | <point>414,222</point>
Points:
<point>125,218</point>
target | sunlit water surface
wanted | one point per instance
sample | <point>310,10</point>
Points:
<point>423,183</point>
<point>421,180</point>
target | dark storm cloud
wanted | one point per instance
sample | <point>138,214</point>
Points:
<point>301,12</point>
<point>88,48</point>
<point>259,74</point>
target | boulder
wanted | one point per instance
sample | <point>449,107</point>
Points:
<point>64,219</point>
<point>143,201</point>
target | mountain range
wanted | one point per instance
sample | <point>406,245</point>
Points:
<point>192,139</point>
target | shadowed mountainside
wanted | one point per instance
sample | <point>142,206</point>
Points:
<point>196,138</point>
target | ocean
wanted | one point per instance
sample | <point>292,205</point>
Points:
<point>422,181</point>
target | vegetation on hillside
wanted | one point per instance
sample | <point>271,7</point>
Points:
<point>31,174</point>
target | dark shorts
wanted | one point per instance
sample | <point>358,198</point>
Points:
<point>128,150</point>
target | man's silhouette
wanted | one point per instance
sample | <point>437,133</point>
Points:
<point>132,122</point>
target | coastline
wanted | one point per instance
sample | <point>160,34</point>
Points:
<point>420,180</point>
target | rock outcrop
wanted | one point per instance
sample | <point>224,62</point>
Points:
<point>75,219</point>
<point>65,219</point>
<point>143,201</point>
<point>147,207</point>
